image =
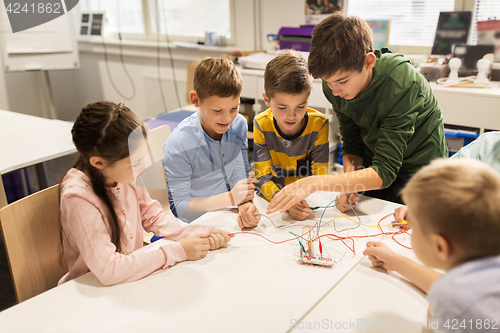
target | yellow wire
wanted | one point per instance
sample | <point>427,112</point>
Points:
<point>347,217</point>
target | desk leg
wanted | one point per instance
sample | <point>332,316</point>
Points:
<point>41,174</point>
<point>24,183</point>
<point>3,196</point>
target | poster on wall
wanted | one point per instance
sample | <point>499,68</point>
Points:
<point>488,33</point>
<point>452,29</point>
<point>380,33</point>
<point>317,10</point>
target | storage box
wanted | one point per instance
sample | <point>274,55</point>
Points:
<point>456,139</point>
<point>432,72</point>
<point>296,38</point>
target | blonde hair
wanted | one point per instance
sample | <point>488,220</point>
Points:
<point>287,73</point>
<point>460,200</point>
<point>216,77</point>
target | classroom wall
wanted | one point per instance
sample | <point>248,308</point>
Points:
<point>275,14</point>
<point>74,88</point>
<point>18,92</point>
<point>254,20</point>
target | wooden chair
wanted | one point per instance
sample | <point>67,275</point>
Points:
<point>3,197</point>
<point>154,176</point>
<point>31,234</point>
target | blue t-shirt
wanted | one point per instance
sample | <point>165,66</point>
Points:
<point>486,148</point>
<point>198,166</point>
<point>467,298</point>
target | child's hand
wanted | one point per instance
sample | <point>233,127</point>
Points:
<point>344,199</point>
<point>244,190</point>
<point>292,194</point>
<point>300,210</point>
<point>245,215</point>
<point>218,238</point>
<point>381,256</point>
<point>196,247</point>
<point>400,216</point>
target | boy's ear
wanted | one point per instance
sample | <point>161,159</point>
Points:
<point>97,162</point>
<point>443,248</point>
<point>193,96</point>
<point>370,60</point>
<point>267,100</point>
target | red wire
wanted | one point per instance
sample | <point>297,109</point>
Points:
<point>393,234</point>
<point>351,238</point>
<point>254,233</point>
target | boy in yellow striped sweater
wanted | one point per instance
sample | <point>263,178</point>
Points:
<point>290,139</point>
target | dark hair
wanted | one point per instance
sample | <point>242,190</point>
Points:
<point>216,77</point>
<point>102,129</point>
<point>287,73</point>
<point>339,44</point>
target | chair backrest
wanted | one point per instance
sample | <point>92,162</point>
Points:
<point>154,176</point>
<point>31,233</point>
<point>3,197</point>
<point>191,66</point>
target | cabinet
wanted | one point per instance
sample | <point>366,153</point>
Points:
<point>470,107</point>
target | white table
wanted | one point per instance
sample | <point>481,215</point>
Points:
<point>369,299</point>
<point>249,286</point>
<point>471,107</point>
<point>28,140</point>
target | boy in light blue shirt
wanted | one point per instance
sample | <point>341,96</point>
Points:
<point>486,148</point>
<point>205,158</point>
<point>454,214</point>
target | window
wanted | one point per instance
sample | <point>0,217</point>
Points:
<point>180,19</point>
<point>484,10</point>
<point>124,16</point>
<point>413,22</point>
<point>190,18</point>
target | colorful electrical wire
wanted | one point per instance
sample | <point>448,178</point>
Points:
<point>309,234</point>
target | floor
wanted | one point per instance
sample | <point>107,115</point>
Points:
<point>55,168</point>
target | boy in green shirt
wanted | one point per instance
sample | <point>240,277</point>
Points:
<point>389,118</point>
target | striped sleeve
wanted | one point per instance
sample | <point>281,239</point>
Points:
<point>320,152</point>
<point>263,164</point>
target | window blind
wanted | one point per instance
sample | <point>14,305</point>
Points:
<point>123,16</point>
<point>190,18</point>
<point>413,22</point>
<point>483,10</point>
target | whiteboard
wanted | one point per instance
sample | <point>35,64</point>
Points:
<point>49,46</point>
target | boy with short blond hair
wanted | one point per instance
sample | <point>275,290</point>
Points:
<point>205,158</point>
<point>455,218</point>
<point>216,77</point>
<point>290,140</point>
<point>389,119</point>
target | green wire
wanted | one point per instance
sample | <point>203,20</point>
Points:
<point>319,223</point>
<point>302,246</point>
<point>318,207</point>
<point>324,210</point>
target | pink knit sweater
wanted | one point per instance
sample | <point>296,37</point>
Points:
<point>86,236</point>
